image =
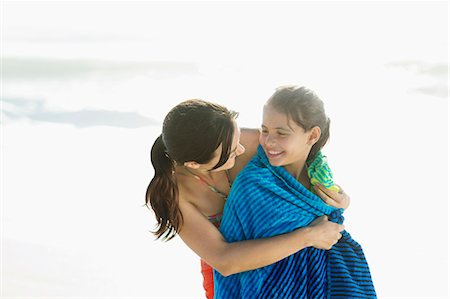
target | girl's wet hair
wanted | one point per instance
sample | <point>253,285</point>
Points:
<point>192,131</point>
<point>305,108</point>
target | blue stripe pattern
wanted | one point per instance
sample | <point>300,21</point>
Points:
<point>266,201</point>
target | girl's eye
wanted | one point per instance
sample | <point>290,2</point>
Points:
<point>282,134</point>
<point>264,132</point>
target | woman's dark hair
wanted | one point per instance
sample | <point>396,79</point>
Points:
<point>192,131</point>
<point>305,108</point>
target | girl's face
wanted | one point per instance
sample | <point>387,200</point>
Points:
<point>284,142</point>
<point>236,150</point>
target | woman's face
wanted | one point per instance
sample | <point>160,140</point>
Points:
<point>284,142</point>
<point>236,150</point>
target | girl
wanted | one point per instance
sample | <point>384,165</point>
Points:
<point>196,158</point>
<point>271,196</point>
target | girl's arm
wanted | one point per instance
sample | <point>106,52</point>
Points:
<point>230,258</point>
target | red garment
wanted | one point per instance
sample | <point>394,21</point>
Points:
<point>208,279</point>
<point>207,270</point>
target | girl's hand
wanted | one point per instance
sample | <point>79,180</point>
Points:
<point>324,233</point>
<point>333,198</point>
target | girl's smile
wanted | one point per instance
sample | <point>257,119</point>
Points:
<point>284,142</point>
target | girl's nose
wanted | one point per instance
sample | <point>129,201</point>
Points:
<point>270,140</point>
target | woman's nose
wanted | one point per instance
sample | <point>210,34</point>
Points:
<point>240,150</point>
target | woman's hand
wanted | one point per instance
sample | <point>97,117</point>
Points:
<point>333,198</point>
<point>324,233</point>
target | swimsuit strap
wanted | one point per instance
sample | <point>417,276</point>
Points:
<point>228,178</point>
<point>211,187</point>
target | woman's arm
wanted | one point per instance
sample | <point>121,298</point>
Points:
<point>230,258</point>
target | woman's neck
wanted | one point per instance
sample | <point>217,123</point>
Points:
<point>205,174</point>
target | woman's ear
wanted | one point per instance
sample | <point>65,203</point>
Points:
<point>314,135</point>
<point>191,164</point>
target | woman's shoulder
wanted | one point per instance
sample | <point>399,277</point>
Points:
<point>197,196</point>
<point>250,140</point>
<point>187,191</point>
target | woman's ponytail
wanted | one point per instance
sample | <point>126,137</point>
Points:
<point>162,192</point>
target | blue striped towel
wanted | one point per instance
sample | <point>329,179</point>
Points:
<point>266,201</point>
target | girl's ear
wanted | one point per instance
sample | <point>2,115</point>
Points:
<point>314,135</point>
<point>191,164</point>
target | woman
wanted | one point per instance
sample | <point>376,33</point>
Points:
<point>196,158</point>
